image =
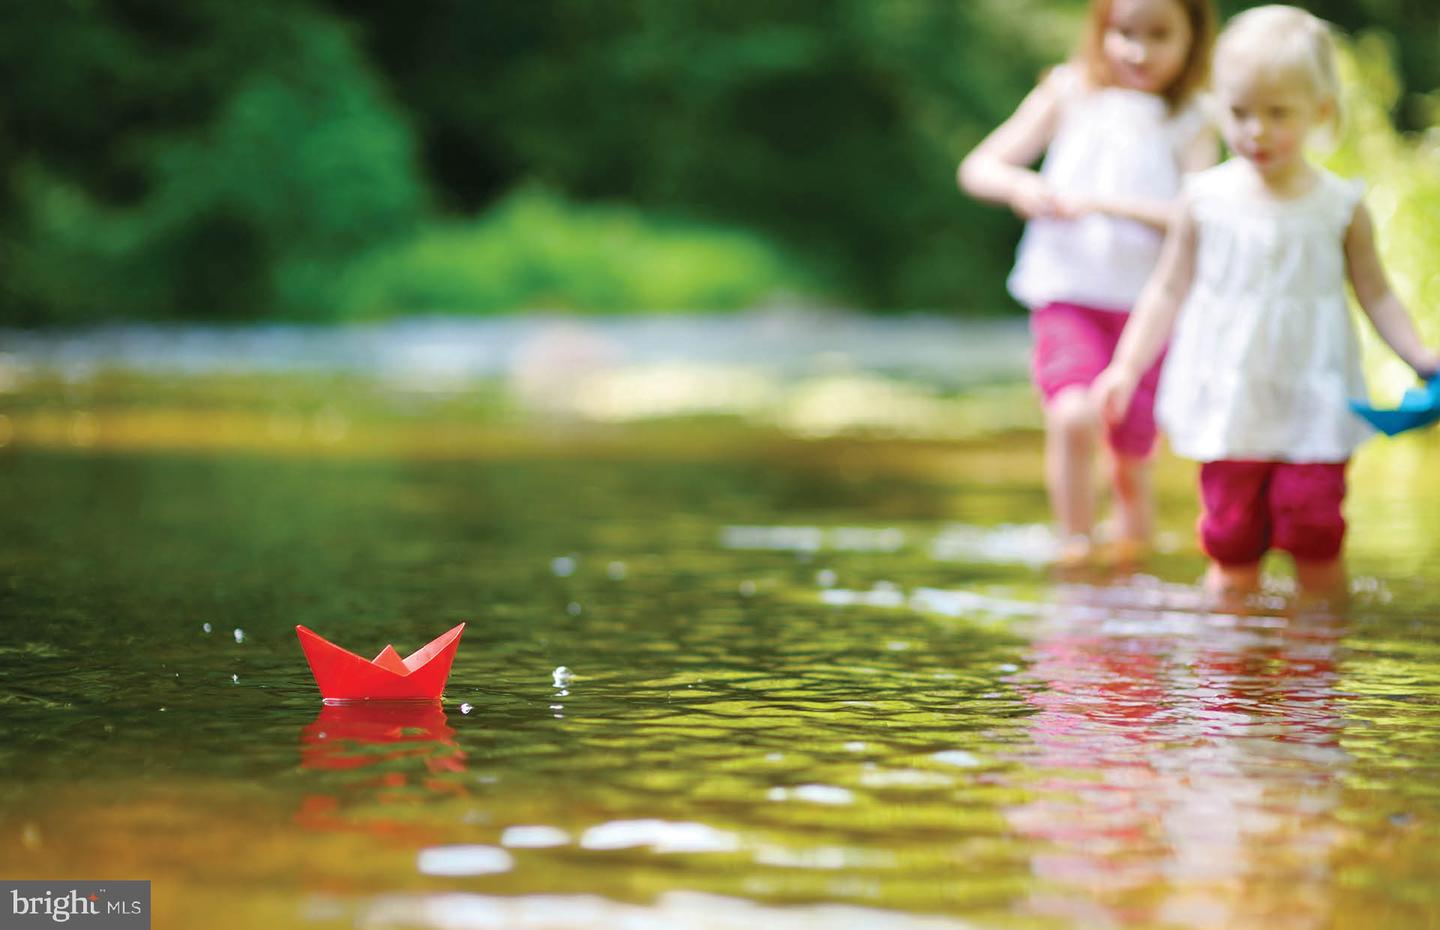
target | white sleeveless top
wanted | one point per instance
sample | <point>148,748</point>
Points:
<point>1265,354</point>
<point>1110,142</point>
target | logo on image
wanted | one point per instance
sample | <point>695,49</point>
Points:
<point>119,905</point>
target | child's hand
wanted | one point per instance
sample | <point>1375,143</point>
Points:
<point>1112,391</point>
<point>1033,199</point>
<point>1074,206</point>
<point>1428,365</point>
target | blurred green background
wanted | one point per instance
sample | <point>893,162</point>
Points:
<point>328,161</point>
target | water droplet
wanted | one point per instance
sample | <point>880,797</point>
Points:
<point>466,708</point>
<point>826,578</point>
<point>562,676</point>
<point>616,571</point>
<point>206,627</point>
<point>563,566</point>
<point>573,608</point>
<point>239,635</point>
<point>747,588</point>
<point>235,679</point>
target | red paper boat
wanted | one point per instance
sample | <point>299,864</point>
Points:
<point>343,676</point>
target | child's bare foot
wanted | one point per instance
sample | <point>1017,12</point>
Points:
<point>1227,582</point>
<point>1127,553</point>
<point>1322,580</point>
<point>1074,552</point>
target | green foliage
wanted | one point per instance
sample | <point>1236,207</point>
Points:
<point>832,126</point>
<point>536,251</point>
<point>244,215</point>
<point>217,160</point>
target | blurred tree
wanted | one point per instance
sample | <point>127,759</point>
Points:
<point>223,160</point>
<point>833,125</point>
<point>205,159</point>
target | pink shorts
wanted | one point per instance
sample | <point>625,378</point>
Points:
<point>1254,506</point>
<point>1073,344</point>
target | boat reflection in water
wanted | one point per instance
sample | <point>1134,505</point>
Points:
<point>376,760</point>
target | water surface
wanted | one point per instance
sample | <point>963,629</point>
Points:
<point>806,682</point>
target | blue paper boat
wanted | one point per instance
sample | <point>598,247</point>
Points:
<point>1418,407</point>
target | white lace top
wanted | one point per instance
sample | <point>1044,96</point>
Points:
<point>1265,354</point>
<point>1110,142</point>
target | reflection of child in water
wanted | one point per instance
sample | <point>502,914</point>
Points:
<point>1118,126</point>
<point>1182,780</point>
<point>1264,356</point>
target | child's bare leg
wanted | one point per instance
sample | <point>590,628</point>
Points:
<point>1324,577</point>
<point>1072,428</point>
<point>1229,580</point>
<point>1134,504</point>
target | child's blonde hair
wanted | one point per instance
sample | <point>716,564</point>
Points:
<point>1193,75</point>
<point>1279,39</point>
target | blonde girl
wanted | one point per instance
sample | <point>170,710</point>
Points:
<point>1252,278</point>
<point>1118,126</point>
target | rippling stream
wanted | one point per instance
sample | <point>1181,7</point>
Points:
<point>718,672</point>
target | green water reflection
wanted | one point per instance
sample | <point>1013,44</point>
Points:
<point>785,695</point>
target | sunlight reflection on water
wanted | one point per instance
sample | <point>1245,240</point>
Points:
<point>673,909</point>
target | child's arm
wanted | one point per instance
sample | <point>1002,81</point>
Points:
<point>998,169</point>
<point>1202,152</point>
<point>1372,289</point>
<point>1150,323</point>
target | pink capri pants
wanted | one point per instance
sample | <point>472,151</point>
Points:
<point>1251,507</point>
<point>1073,344</point>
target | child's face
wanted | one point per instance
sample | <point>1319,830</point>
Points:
<point>1146,43</point>
<point>1266,117</point>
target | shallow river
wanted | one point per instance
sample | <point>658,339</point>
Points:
<point>720,670</point>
